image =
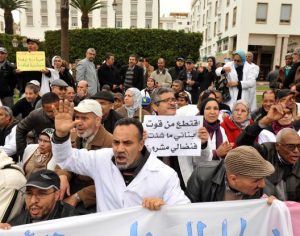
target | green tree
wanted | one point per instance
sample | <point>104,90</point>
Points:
<point>85,6</point>
<point>8,6</point>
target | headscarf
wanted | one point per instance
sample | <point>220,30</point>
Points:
<point>52,61</point>
<point>137,102</point>
<point>212,127</point>
<point>242,55</point>
<point>246,122</point>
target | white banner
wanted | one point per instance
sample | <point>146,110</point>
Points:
<point>232,218</point>
<point>173,135</point>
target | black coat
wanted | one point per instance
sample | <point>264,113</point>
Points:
<point>23,107</point>
<point>138,76</point>
<point>109,75</point>
<point>110,121</point>
<point>195,77</point>
<point>8,79</point>
<point>207,183</point>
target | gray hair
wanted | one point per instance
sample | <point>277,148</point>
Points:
<point>7,111</point>
<point>159,91</point>
<point>282,133</point>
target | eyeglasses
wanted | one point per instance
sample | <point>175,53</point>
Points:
<point>238,61</point>
<point>291,147</point>
<point>167,100</point>
<point>62,88</point>
<point>38,195</point>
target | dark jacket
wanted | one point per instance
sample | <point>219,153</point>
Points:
<point>61,210</point>
<point>138,76</point>
<point>67,77</point>
<point>109,75</point>
<point>175,71</point>
<point>110,121</point>
<point>36,121</point>
<point>258,114</point>
<point>194,90</point>
<point>207,183</point>
<point>206,79</point>
<point>284,173</point>
<point>23,107</point>
<point>291,76</point>
<point>8,80</point>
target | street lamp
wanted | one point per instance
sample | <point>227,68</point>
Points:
<point>15,42</point>
<point>114,5</point>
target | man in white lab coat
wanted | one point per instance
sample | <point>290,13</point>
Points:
<point>125,175</point>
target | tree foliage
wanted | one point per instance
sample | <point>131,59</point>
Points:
<point>151,43</point>
<point>8,6</point>
<point>85,6</point>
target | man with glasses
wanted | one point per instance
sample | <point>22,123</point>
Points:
<point>164,104</point>
<point>284,154</point>
<point>41,194</point>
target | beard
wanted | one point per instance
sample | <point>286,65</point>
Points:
<point>85,134</point>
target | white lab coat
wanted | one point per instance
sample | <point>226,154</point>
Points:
<point>248,83</point>
<point>154,180</point>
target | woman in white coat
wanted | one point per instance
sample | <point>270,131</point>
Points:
<point>241,78</point>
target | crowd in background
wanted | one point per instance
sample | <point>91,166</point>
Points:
<point>223,93</point>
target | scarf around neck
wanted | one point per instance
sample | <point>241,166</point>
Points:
<point>214,128</point>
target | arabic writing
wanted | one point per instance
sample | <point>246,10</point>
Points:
<point>173,135</point>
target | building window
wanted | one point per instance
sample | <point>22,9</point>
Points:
<point>234,17</point>
<point>119,8</point>
<point>29,20</point>
<point>215,29</point>
<point>57,6</point>
<point>148,23</point>
<point>169,26</point>
<point>119,23</point>
<point>226,21</point>
<point>285,13</point>
<point>44,20</point>
<point>133,11</point>
<point>103,22</point>
<point>57,20</point>
<point>179,23</point>
<point>74,21</point>
<point>44,7</point>
<point>228,2</point>
<point>216,8</point>
<point>261,12</point>
<point>133,23</point>
<point>90,21</point>
<point>73,11</point>
<point>148,8</point>
<point>28,8</point>
<point>225,44</point>
<point>203,20</point>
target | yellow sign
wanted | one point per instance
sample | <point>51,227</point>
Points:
<point>31,61</point>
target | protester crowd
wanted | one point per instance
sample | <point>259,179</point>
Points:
<point>74,142</point>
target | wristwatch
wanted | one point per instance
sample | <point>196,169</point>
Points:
<point>77,197</point>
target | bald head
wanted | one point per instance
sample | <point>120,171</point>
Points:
<point>82,88</point>
<point>249,57</point>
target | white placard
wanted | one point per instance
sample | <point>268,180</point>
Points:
<point>173,135</point>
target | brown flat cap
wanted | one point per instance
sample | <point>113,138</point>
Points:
<point>247,161</point>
